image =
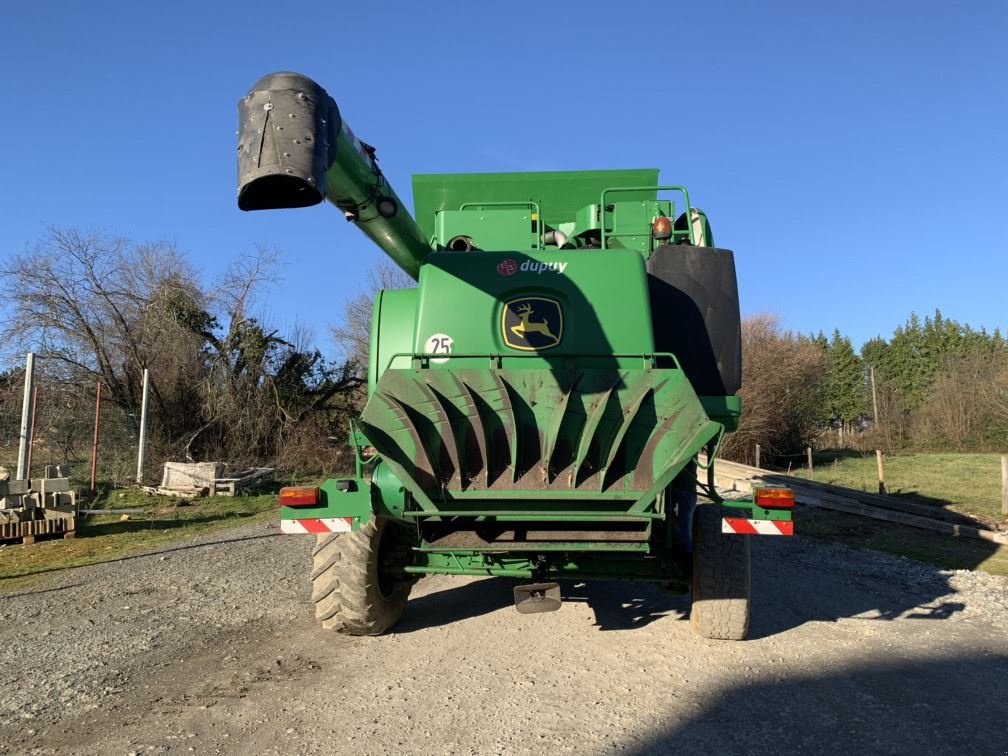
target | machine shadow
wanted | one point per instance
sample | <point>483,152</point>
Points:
<point>617,606</point>
<point>799,581</point>
<point>948,705</point>
<point>793,583</point>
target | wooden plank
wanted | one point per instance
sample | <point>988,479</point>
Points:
<point>850,506</point>
<point>733,469</point>
<point>864,505</point>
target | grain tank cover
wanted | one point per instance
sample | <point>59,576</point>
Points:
<point>558,194</point>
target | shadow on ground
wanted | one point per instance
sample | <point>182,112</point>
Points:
<point>149,522</point>
<point>953,705</point>
<point>617,606</point>
<point>788,592</point>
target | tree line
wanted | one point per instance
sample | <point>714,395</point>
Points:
<point>226,385</point>
<point>933,384</point>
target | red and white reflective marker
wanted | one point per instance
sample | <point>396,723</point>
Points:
<point>742,526</point>
<point>317,525</point>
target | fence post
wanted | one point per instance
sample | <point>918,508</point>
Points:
<point>1004,484</point>
<point>757,457</point>
<point>143,427</point>
<point>811,474</point>
<point>881,472</point>
<point>94,445</point>
<point>31,432</point>
<point>29,385</point>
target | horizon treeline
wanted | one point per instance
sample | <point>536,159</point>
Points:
<point>934,384</point>
<point>225,385</point>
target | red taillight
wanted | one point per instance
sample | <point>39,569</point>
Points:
<point>775,498</point>
<point>299,497</point>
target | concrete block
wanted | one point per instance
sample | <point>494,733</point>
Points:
<point>16,487</point>
<point>52,485</point>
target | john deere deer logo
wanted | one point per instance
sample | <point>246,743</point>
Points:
<point>532,323</point>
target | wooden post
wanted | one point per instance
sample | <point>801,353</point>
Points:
<point>94,445</point>
<point>881,472</point>
<point>1004,484</point>
<point>757,457</point>
<point>810,473</point>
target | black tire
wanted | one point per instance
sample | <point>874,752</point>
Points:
<point>722,578</point>
<point>352,592</point>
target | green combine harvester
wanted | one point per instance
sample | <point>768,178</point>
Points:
<point>537,405</point>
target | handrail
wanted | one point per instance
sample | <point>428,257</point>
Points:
<point>651,357</point>
<point>659,188</point>
<point>518,203</point>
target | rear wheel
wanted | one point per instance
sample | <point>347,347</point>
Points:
<point>721,578</point>
<point>355,584</point>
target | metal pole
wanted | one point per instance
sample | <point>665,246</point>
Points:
<point>31,433</point>
<point>757,457</point>
<point>143,427</point>
<point>29,384</point>
<point>94,446</point>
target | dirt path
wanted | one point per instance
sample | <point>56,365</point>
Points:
<point>211,648</point>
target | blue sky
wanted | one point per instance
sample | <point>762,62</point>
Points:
<point>852,154</point>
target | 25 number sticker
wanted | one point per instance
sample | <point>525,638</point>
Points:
<point>439,343</point>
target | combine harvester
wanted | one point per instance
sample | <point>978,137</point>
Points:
<point>537,403</point>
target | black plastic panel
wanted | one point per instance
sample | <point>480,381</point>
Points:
<point>695,310</point>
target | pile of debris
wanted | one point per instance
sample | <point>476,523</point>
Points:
<point>39,506</point>
<point>197,479</point>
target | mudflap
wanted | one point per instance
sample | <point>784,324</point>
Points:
<point>537,597</point>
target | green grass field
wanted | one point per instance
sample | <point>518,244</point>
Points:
<point>966,483</point>
<point>102,538</point>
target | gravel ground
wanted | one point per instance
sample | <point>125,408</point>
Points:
<point>211,647</point>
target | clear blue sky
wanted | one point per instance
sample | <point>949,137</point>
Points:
<point>852,154</point>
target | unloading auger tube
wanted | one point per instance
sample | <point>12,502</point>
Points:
<point>295,150</point>
<point>537,404</point>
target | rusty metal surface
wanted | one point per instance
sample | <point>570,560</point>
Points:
<point>535,431</point>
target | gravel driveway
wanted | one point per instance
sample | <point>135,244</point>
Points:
<point>211,647</point>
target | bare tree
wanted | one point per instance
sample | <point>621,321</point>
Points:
<point>782,389</point>
<point>96,308</point>
<point>223,383</point>
<point>353,334</point>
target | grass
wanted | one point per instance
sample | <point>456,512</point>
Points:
<point>107,537</point>
<point>939,478</point>
<point>965,483</point>
<point>933,548</point>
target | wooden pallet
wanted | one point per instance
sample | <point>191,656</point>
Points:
<point>28,531</point>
